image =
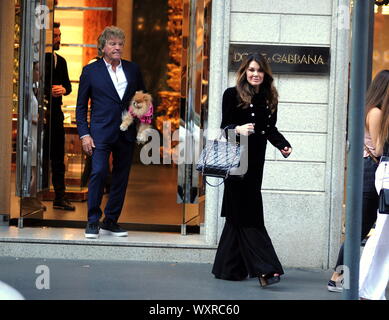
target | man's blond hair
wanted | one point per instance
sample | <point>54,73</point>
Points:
<point>108,33</point>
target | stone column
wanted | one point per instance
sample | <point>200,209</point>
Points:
<point>7,14</point>
<point>220,28</point>
<point>124,21</point>
<point>337,118</point>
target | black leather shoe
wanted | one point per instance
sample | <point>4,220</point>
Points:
<point>63,204</point>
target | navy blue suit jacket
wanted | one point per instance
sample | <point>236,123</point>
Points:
<point>106,106</point>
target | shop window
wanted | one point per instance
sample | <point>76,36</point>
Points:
<point>381,39</point>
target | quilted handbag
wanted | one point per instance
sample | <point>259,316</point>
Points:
<point>221,159</point>
<point>383,203</point>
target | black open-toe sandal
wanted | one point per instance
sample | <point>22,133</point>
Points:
<point>268,279</point>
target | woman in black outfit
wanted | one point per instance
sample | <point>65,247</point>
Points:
<point>250,108</point>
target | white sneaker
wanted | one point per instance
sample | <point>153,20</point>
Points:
<point>333,286</point>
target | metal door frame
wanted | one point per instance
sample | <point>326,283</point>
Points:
<point>192,105</point>
<point>36,19</point>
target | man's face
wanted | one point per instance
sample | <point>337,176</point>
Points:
<point>56,39</point>
<point>113,49</point>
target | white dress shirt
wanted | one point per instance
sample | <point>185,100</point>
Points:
<point>118,78</point>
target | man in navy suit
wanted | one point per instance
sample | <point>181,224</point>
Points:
<point>109,83</point>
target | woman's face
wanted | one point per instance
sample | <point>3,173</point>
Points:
<point>254,74</point>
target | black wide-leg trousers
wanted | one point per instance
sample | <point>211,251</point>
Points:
<point>245,252</point>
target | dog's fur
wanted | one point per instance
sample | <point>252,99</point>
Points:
<point>139,105</point>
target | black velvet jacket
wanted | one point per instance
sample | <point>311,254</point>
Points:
<point>242,200</point>
<point>258,112</point>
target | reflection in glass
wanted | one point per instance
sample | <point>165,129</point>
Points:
<point>34,18</point>
<point>194,104</point>
<point>381,39</point>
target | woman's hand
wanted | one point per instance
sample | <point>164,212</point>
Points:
<point>286,152</point>
<point>245,129</point>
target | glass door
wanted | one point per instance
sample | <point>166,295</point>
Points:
<point>193,106</point>
<point>381,39</point>
<point>35,19</point>
<point>170,41</point>
<point>178,80</point>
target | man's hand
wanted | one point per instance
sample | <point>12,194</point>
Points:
<point>88,145</point>
<point>58,91</point>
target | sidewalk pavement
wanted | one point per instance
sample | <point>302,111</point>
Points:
<point>49,279</point>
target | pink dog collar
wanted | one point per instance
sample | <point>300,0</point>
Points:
<point>146,118</point>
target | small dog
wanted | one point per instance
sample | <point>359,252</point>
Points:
<point>142,109</point>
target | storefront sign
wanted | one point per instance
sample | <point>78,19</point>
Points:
<point>284,59</point>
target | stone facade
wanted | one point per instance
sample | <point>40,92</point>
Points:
<point>302,195</point>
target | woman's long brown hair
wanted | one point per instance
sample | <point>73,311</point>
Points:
<point>246,91</point>
<point>377,90</point>
<point>384,130</point>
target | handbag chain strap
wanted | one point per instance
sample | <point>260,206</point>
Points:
<point>383,177</point>
<point>213,185</point>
